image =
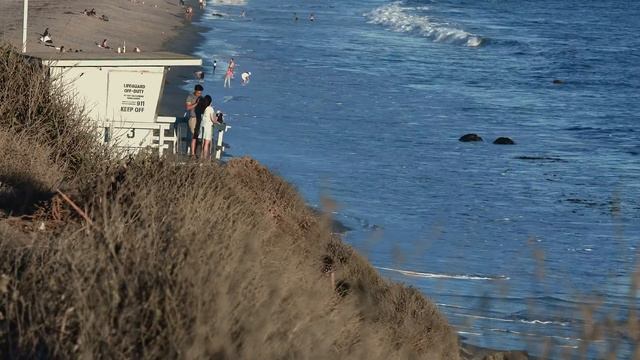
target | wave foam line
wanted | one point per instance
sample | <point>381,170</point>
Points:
<point>563,338</point>
<point>398,19</point>
<point>443,276</point>
<point>524,321</point>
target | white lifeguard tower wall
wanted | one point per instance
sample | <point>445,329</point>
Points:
<point>121,94</point>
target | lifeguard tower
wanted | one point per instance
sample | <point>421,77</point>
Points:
<point>121,94</point>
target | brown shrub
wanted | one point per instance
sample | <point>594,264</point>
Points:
<point>27,175</point>
<point>34,106</point>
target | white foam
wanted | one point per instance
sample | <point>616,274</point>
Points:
<point>443,276</point>
<point>541,322</point>
<point>230,2</point>
<point>469,333</point>
<point>397,17</point>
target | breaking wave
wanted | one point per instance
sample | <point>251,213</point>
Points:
<point>397,17</point>
<point>444,276</point>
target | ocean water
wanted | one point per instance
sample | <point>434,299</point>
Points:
<point>365,105</point>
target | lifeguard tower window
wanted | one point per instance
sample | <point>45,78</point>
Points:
<point>119,92</point>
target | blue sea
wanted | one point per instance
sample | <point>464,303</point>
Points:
<point>365,105</point>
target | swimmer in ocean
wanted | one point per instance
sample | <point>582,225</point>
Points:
<point>246,77</point>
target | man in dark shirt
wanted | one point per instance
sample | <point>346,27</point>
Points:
<point>190,106</point>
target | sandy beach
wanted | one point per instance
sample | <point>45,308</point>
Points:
<point>150,25</point>
<point>147,24</point>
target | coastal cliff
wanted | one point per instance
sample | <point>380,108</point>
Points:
<point>150,258</point>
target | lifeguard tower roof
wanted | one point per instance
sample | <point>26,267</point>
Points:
<point>110,59</point>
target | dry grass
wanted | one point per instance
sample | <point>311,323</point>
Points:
<point>179,261</point>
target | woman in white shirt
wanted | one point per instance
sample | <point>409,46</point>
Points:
<point>206,127</point>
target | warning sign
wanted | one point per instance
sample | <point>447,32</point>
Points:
<point>133,95</point>
<point>134,99</point>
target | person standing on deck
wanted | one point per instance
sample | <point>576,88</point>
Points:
<point>190,106</point>
<point>198,128</point>
<point>206,128</point>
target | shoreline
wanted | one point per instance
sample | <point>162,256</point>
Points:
<point>184,42</point>
<point>183,38</point>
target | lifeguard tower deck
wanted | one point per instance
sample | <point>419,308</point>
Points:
<point>121,93</point>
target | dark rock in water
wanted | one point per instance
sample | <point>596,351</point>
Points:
<point>337,227</point>
<point>558,82</point>
<point>470,138</point>
<point>503,141</point>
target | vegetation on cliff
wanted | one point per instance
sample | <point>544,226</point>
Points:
<point>150,258</point>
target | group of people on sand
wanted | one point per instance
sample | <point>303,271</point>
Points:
<point>47,39</point>
<point>202,116</point>
<point>105,45</point>
<point>93,13</point>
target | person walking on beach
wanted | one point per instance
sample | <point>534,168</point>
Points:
<point>190,106</point>
<point>229,75</point>
<point>206,128</point>
<point>215,65</point>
